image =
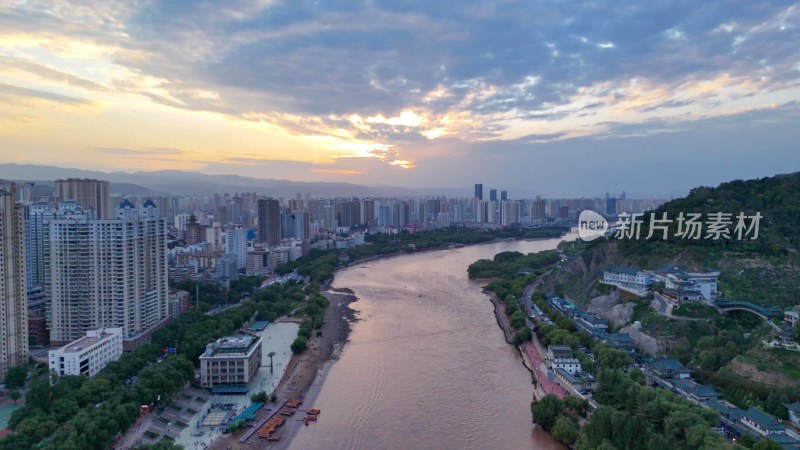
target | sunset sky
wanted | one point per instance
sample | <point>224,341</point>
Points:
<point>587,96</point>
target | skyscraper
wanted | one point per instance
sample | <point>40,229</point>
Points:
<point>492,195</point>
<point>269,221</point>
<point>13,285</point>
<point>91,194</point>
<point>479,191</point>
<point>503,195</point>
<point>107,273</point>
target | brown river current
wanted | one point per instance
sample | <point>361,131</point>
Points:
<point>426,365</point>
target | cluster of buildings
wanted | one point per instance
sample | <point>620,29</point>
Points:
<point>679,285</point>
<point>670,374</point>
<point>83,259</point>
<point>594,325</point>
<point>567,368</point>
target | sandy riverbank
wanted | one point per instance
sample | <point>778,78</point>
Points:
<point>305,370</point>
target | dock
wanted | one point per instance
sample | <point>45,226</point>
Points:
<point>256,426</point>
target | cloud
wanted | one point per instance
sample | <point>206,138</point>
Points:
<point>144,152</point>
<point>10,92</point>
<point>49,73</point>
<point>403,82</point>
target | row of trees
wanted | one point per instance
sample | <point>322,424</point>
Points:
<point>507,264</point>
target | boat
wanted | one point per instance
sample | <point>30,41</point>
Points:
<point>274,438</point>
<point>314,418</point>
<point>313,412</point>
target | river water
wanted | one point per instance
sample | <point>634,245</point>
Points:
<point>426,365</point>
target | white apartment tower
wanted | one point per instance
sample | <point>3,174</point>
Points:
<point>13,285</point>
<point>108,273</point>
<point>236,244</point>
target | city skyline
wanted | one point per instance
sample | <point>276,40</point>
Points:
<point>518,95</point>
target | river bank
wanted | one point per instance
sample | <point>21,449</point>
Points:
<point>305,369</point>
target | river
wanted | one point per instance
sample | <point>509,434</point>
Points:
<point>426,365</point>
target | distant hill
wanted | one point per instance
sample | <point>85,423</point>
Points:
<point>177,182</point>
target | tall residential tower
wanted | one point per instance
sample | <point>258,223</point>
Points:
<point>13,285</point>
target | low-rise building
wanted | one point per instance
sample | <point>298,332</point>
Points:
<point>579,381</point>
<point>695,285</point>
<point>561,357</point>
<point>761,423</point>
<point>631,279</point>
<point>89,354</point>
<point>791,317</point>
<point>794,412</point>
<point>669,369</point>
<point>591,323</point>
<point>698,393</point>
<point>232,360</point>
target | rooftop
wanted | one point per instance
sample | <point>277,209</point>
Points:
<point>763,419</point>
<point>85,342</point>
<point>621,269</point>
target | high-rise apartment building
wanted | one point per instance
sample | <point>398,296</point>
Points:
<point>367,213</point>
<point>269,221</point>
<point>538,211</point>
<point>91,194</point>
<point>236,244</point>
<point>13,284</point>
<point>509,213</point>
<point>107,273</point>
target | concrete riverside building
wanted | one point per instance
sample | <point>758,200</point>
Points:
<point>230,360</point>
<point>89,354</point>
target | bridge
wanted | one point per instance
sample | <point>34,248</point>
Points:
<point>725,305</point>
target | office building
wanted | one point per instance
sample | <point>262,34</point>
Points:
<point>89,354</point>
<point>492,195</point>
<point>503,195</point>
<point>90,194</point>
<point>107,273</point>
<point>479,191</point>
<point>230,360</point>
<point>13,284</point>
<point>269,216</point>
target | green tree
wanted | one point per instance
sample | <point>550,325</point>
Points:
<point>767,444</point>
<point>637,375</point>
<point>259,397</point>
<point>15,377</point>
<point>15,395</point>
<point>546,411</point>
<point>746,440</point>
<point>299,345</point>
<point>611,358</point>
<point>565,430</point>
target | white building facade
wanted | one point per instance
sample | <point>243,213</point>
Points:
<point>89,354</point>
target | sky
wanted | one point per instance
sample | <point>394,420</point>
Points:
<point>549,97</point>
